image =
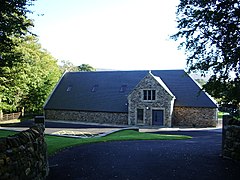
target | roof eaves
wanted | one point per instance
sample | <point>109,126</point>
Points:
<point>159,80</point>
<point>210,97</point>
<point>49,97</point>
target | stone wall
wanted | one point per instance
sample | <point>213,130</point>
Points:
<point>89,117</point>
<point>231,138</point>
<point>24,155</point>
<point>194,117</point>
<point>164,101</point>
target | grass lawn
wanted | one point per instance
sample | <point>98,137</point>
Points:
<point>4,133</point>
<point>220,114</point>
<point>55,143</point>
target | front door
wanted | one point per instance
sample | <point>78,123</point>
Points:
<point>157,117</point>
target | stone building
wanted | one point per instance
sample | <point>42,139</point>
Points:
<point>166,98</point>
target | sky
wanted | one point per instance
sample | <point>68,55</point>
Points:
<point>110,34</point>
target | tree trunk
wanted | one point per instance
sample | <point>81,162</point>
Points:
<point>22,111</point>
<point>1,112</point>
<point>1,115</point>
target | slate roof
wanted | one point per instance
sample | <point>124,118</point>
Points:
<point>107,91</point>
<point>158,79</point>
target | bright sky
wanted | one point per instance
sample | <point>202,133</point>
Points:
<point>110,34</point>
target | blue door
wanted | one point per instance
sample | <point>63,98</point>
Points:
<point>157,117</point>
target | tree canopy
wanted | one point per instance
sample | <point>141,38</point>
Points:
<point>209,31</point>
<point>28,73</point>
<point>29,81</point>
<point>13,22</point>
<point>86,67</point>
<point>66,65</point>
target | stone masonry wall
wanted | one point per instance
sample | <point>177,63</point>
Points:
<point>89,117</point>
<point>164,101</point>
<point>194,117</point>
<point>24,155</point>
<point>231,138</point>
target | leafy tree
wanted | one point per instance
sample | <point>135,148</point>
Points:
<point>13,23</point>
<point>13,79</point>
<point>209,31</point>
<point>67,66</point>
<point>44,74</point>
<point>28,82</point>
<point>13,19</point>
<point>86,67</point>
<point>27,72</point>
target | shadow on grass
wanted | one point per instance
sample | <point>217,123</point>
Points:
<point>56,143</point>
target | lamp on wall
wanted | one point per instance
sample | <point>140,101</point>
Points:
<point>147,108</point>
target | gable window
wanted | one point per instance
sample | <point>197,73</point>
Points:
<point>149,94</point>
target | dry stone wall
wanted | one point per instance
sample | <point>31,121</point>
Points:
<point>194,117</point>
<point>24,155</point>
<point>89,117</point>
<point>231,138</point>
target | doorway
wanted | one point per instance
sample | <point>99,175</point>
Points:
<point>157,117</point>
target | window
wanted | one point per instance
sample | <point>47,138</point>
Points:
<point>94,88</point>
<point>69,88</point>
<point>123,88</point>
<point>149,94</point>
<point>140,116</point>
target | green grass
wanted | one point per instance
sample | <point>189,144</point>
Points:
<point>220,114</point>
<point>4,133</point>
<point>56,143</point>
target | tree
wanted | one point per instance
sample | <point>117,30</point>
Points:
<point>13,79</point>
<point>28,73</point>
<point>67,66</point>
<point>43,74</point>
<point>86,67</point>
<point>13,19</point>
<point>30,79</point>
<point>13,23</point>
<point>209,31</point>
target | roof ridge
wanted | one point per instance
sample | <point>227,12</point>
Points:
<point>112,71</point>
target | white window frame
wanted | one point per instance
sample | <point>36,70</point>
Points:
<point>150,95</point>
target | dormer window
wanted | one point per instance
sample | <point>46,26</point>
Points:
<point>94,88</point>
<point>69,88</point>
<point>149,95</point>
<point>123,88</point>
